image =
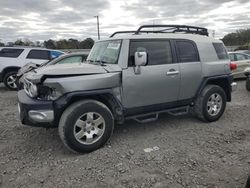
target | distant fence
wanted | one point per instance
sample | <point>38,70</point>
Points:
<point>75,50</point>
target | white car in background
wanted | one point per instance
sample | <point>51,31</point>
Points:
<point>13,58</point>
<point>242,61</point>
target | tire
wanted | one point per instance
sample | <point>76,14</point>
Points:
<point>248,84</point>
<point>210,104</point>
<point>9,80</point>
<point>81,112</point>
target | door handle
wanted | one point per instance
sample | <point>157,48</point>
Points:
<point>172,72</point>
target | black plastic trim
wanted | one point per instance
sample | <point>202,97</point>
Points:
<point>156,107</point>
<point>26,104</point>
<point>67,99</point>
<point>228,78</point>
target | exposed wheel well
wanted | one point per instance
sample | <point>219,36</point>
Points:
<point>107,99</point>
<point>224,84</point>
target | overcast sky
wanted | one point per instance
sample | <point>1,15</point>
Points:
<point>56,19</point>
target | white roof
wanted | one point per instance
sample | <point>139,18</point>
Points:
<point>194,37</point>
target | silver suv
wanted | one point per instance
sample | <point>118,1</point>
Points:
<point>132,75</point>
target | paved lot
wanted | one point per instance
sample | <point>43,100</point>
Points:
<point>189,153</point>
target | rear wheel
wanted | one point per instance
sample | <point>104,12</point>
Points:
<point>211,103</point>
<point>248,84</point>
<point>10,80</point>
<point>86,126</point>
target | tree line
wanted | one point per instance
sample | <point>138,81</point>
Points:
<point>54,44</point>
<point>239,38</point>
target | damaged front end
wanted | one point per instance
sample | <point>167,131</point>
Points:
<point>47,90</point>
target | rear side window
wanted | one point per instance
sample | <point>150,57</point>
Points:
<point>39,54</point>
<point>220,51</point>
<point>10,52</point>
<point>187,51</point>
<point>159,52</point>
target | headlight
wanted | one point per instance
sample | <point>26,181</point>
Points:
<point>41,91</point>
<point>30,89</point>
<point>48,93</point>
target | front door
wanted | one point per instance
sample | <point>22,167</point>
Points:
<point>158,82</point>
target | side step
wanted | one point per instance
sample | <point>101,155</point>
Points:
<point>153,116</point>
<point>179,111</point>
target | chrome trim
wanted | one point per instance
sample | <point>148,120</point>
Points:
<point>234,86</point>
<point>41,116</point>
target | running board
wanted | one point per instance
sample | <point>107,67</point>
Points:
<point>153,116</point>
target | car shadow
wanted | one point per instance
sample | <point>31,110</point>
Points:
<point>48,139</point>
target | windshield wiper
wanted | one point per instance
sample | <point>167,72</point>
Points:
<point>98,62</point>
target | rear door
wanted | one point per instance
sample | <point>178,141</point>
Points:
<point>190,68</point>
<point>10,57</point>
<point>38,56</point>
<point>158,82</point>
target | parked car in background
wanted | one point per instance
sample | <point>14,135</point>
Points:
<point>13,58</point>
<point>63,59</point>
<point>242,60</point>
<point>244,51</point>
<point>247,73</point>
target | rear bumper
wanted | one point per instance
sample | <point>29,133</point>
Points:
<point>233,86</point>
<point>34,112</point>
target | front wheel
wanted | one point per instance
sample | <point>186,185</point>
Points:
<point>86,126</point>
<point>211,103</point>
<point>9,80</point>
<point>248,84</point>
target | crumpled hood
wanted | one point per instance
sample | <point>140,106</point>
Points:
<point>70,69</point>
<point>26,68</point>
<point>65,70</point>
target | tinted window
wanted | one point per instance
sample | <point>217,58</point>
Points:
<point>159,52</point>
<point>187,51</point>
<point>39,54</point>
<point>10,52</point>
<point>220,51</point>
<point>73,59</point>
<point>240,57</point>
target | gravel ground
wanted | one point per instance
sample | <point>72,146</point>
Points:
<point>185,152</point>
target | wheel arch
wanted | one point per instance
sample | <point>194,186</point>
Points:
<point>106,97</point>
<point>9,69</point>
<point>223,81</point>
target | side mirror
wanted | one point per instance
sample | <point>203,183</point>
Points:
<point>140,58</point>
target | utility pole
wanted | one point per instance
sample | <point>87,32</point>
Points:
<point>98,28</point>
<point>213,33</point>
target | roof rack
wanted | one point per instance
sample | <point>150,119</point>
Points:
<point>175,29</point>
<point>167,29</point>
<point>124,32</point>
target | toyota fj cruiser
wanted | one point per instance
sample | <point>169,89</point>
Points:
<point>170,68</point>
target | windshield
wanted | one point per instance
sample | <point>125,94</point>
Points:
<point>105,52</point>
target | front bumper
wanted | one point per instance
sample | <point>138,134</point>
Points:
<point>35,112</point>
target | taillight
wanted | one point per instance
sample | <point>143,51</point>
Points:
<point>233,66</point>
